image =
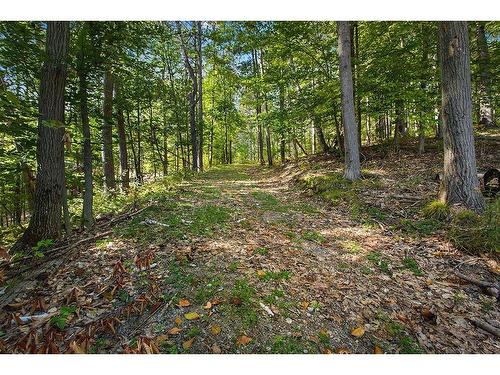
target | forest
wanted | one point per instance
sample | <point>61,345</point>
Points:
<point>249,187</point>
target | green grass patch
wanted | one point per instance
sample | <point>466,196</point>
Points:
<point>412,265</point>
<point>376,258</point>
<point>475,234</point>
<point>314,237</point>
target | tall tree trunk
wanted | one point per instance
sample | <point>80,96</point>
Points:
<point>282,124</point>
<point>122,138</point>
<point>321,136</point>
<point>351,145</point>
<point>192,102</point>
<point>107,133</point>
<point>200,95</point>
<point>485,102</point>
<point>258,110</point>
<point>460,182</point>
<point>88,194</point>
<point>45,222</point>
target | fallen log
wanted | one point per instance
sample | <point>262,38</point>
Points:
<point>486,326</point>
<point>487,288</point>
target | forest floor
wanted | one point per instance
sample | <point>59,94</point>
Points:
<point>245,259</point>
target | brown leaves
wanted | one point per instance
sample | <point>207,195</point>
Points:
<point>378,350</point>
<point>243,340</point>
<point>174,331</point>
<point>178,320</point>
<point>358,332</point>
<point>4,254</point>
<point>184,303</point>
<point>187,344</point>
<point>216,349</point>
<point>343,351</point>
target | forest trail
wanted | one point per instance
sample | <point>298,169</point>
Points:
<point>240,259</point>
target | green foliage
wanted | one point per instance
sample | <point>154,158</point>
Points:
<point>276,275</point>
<point>61,319</point>
<point>436,210</point>
<point>314,237</point>
<point>412,265</point>
<point>287,345</point>
<point>381,262</point>
<point>475,233</point>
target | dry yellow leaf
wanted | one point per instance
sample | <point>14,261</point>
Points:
<point>261,273</point>
<point>192,316</point>
<point>243,340</point>
<point>378,350</point>
<point>304,304</point>
<point>174,331</point>
<point>184,303</point>
<point>216,349</point>
<point>187,344</point>
<point>358,332</point>
<point>215,329</point>
<point>208,305</point>
<point>178,320</point>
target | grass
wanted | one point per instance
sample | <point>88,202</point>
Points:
<point>378,260</point>
<point>436,210</point>
<point>276,275</point>
<point>412,265</point>
<point>262,251</point>
<point>268,202</point>
<point>314,237</point>
<point>399,335</point>
<point>476,234</point>
<point>420,227</point>
<point>288,345</point>
<point>242,304</point>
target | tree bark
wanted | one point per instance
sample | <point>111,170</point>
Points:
<point>485,107</point>
<point>45,221</point>
<point>107,133</point>
<point>200,95</point>
<point>460,182</point>
<point>122,138</point>
<point>88,193</point>
<point>351,145</point>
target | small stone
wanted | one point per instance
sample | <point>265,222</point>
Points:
<point>288,320</point>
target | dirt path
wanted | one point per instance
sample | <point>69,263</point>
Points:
<point>241,260</point>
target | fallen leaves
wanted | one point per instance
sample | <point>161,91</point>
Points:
<point>343,351</point>
<point>378,350</point>
<point>243,340</point>
<point>184,303</point>
<point>192,316</point>
<point>358,332</point>
<point>178,320</point>
<point>187,344</point>
<point>174,331</point>
<point>216,349</point>
<point>215,329</point>
<point>428,315</point>
<point>208,305</point>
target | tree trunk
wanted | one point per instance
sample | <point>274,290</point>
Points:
<point>460,182</point>
<point>122,138</point>
<point>200,96</point>
<point>485,108</point>
<point>45,222</point>
<point>88,194</point>
<point>107,133</point>
<point>351,145</point>
<point>321,136</point>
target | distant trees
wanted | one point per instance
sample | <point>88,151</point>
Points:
<point>460,182</point>
<point>351,145</point>
<point>167,97</point>
<point>45,221</point>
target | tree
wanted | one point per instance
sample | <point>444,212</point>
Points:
<point>107,133</point>
<point>45,222</point>
<point>460,182</point>
<point>485,105</point>
<point>351,145</point>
